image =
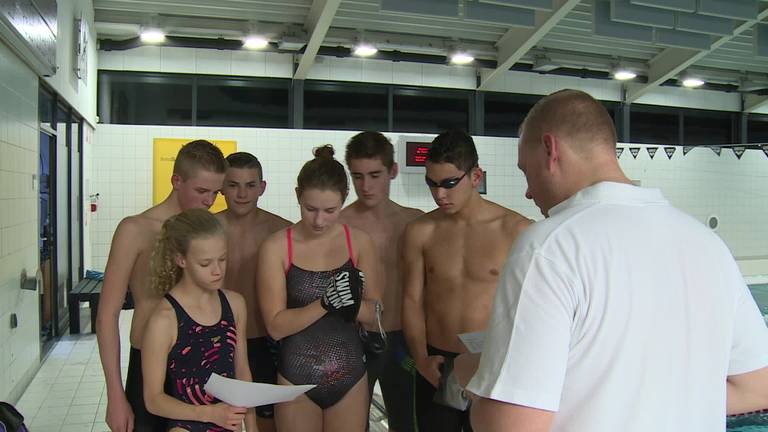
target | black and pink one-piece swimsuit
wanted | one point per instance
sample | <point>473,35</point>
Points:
<point>199,351</point>
<point>328,353</point>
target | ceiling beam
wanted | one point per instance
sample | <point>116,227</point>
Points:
<point>518,41</point>
<point>753,102</point>
<point>672,61</point>
<point>318,22</point>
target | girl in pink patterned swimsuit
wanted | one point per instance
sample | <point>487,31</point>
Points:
<point>196,331</point>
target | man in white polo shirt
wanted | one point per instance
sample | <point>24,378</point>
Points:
<point>618,311</point>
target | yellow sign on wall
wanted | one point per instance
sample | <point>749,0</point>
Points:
<point>164,155</point>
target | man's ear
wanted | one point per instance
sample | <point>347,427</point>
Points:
<point>298,195</point>
<point>394,171</point>
<point>551,149</point>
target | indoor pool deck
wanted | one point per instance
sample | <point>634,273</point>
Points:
<point>68,394</point>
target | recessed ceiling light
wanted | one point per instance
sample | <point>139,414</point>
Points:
<point>692,82</point>
<point>623,74</point>
<point>255,42</point>
<point>462,58</point>
<point>364,50</point>
<point>152,36</point>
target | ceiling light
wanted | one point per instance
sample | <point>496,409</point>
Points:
<point>623,74</point>
<point>255,42</point>
<point>692,82</point>
<point>364,50</point>
<point>462,58</point>
<point>152,36</point>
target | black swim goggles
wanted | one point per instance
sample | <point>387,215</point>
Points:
<point>448,183</point>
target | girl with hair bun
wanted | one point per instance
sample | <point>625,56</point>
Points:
<point>198,329</point>
<point>318,282</point>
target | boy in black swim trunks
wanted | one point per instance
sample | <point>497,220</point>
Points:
<point>246,226</point>
<point>197,175</point>
<point>370,160</point>
<point>452,258</point>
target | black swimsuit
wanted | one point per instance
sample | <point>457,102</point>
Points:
<point>198,352</point>
<point>328,353</point>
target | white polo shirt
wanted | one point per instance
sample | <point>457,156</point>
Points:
<point>620,313</point>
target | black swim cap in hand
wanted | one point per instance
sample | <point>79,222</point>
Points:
<point>344,294</point>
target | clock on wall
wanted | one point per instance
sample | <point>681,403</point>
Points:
<point>81,48</point>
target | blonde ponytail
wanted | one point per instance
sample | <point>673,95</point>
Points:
<point>176,234</point>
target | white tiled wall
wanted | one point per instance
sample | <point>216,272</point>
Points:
<point>19,347</point>
<point>701,183</point>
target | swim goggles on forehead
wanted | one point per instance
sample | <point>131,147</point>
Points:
<point>448,183</point>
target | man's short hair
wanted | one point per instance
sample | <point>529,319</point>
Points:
<point>199,155</point>
<point>370,145</point>
<point>455,147</point>
<point>575,115</point>
<point>245,160</point>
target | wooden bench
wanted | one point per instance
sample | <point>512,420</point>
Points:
<point>88,290</point>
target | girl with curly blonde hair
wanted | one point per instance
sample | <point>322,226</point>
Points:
<point>198,329</point>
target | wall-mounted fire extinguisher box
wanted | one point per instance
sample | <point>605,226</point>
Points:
<point>94,198</point>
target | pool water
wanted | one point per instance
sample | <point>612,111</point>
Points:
<point>753,422</point>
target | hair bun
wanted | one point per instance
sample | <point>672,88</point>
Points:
<point>324,152</point>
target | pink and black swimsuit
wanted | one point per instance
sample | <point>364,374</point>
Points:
<point>198,352</point>
<point>328,353</point>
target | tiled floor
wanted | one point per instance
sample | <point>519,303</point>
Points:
<point>68,393</point>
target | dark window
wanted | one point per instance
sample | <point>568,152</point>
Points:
<point>62,121</point>
<point>505,112</point>
<point>45,107</point>
<point>345,106</point>
<point>701,127</point>
<point>757,128</point>
<point>145,99</point>
<point>242,102</point>
<point>653,125</point>
<point>430,111</point>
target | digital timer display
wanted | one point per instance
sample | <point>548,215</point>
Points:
<point>416,153</point>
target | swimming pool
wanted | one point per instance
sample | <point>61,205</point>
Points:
<point>753,422</point>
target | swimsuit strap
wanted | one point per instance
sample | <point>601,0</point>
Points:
<point>349,245</point>
<point>290,249</point>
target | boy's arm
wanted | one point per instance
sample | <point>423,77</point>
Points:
<point>414,319</point>
<point>242,369</point>
<point>368,262</point>
<point>122,257</point>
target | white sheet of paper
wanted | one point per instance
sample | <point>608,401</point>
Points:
<point>248,394</point>
<point>473,341</point>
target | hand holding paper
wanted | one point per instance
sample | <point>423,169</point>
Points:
<point>247,394</point>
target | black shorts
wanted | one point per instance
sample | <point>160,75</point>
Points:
<point>143,420</point>
<point>262,359</point>
<point>434,417</point>
<point>396,373</point>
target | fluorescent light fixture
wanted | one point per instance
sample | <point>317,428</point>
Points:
<point>255,42</point>
<point>462,58</point>
<point>692,82</point>
<point>152,36</point>
<point>623,74</point>
<point>364,50</point>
